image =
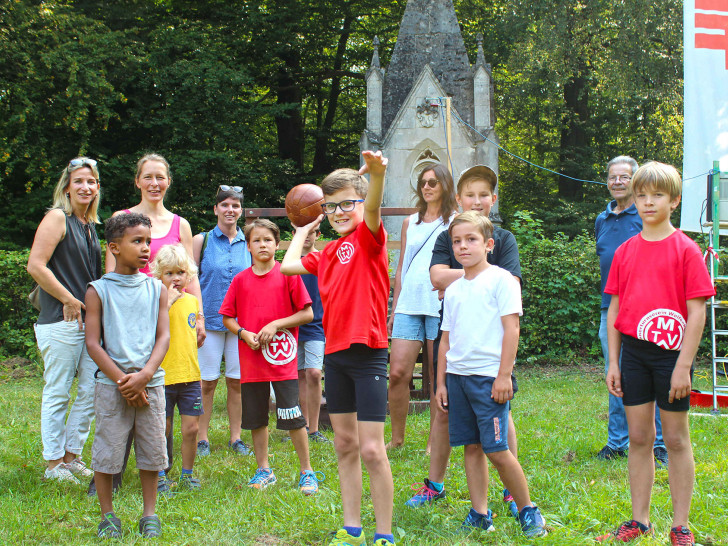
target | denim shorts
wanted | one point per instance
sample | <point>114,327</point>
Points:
<point>474,417</point>
<point>311,354</point>
<point>415,327</point>
<point>186,396</point>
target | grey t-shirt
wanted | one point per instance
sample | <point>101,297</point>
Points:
<point>129,314</point>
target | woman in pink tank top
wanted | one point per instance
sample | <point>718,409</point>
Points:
<point>153,178</point>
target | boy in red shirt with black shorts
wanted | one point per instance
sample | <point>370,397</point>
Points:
<point>659,283</point>
<point>353,277</point>
<point>264,308</point>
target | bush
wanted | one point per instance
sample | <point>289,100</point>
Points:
<point>561,293</point>
<point>17,314</point>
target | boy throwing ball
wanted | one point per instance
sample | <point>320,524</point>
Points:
<point>353,278</point>
<point>659,283</point>
<point>480,331</point>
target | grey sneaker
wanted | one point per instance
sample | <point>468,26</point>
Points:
<point>203,448</point>
<point>660,453</point>
<point>164,487</point>
<point>60,473</point>
<point>186,481</point>
<point>110,526</point>
<point>240,447</point>
<point>78,468</point>
<point>150,526</point>
<point>318,437</point>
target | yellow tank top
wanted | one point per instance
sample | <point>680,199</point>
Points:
<point>180,364</point>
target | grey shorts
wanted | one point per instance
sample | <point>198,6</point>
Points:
<point>311,354</point>
<point>115,419</point>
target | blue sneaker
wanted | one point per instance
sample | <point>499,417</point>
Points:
<point>510,501</point>
<point>308,484</point>
<point>424,494</point>
<point>262,478</point>
<point>203,448</point>
<point>476,520</point>
<point>532,522</point>
<point>240,447</point>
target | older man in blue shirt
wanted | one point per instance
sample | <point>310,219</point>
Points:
<point>613,227</point>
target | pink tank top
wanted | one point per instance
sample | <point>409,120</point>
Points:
<point>172,238</point>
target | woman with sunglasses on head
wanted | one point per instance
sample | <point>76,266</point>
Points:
<point>64,258</point>
<point>153,178</point>
<point>415,307</point>
<point>221,253</point>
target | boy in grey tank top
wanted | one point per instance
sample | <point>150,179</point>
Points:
<point>127,336</point>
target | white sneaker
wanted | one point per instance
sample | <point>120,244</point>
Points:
<point>60,473</point>
<point>79,469</point>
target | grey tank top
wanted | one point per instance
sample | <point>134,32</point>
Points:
<point>75,262</point>
<point>129,313</point>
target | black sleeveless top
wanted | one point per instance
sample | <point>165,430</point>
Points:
<point>76,261</point>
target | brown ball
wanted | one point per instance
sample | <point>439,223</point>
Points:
<point>303,204</point>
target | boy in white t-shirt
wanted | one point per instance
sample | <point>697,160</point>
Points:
<point>480,331</point>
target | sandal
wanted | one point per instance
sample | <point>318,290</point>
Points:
<point>150,526</point>
<point>110,526</point>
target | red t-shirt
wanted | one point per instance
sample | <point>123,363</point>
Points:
<point>654,280</point>
<point>255,300</point>
<point>353,278</point>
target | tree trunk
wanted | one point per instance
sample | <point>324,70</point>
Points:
<point>574,139</point>
<point>289,124</point>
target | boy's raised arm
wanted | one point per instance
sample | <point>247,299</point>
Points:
<point>376,165</point>
<point>291,264</point>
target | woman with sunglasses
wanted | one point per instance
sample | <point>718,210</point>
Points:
<point>64,258</point>
<point>416,307</point>
<point>153,179</point>
<point>221,254</point>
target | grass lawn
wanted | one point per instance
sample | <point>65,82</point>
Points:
<point>560,416</point>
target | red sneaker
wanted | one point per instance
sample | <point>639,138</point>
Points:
<point>627,532</point>
<point>681,536</point>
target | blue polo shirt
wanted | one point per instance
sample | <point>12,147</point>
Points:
<point>611,230</point>
<point>221,261</point>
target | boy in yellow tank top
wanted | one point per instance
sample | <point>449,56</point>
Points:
<point>174,267</point>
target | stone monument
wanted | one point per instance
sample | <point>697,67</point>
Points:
<point>406,103</point>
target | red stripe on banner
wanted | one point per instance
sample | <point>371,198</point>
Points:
<point>705,20</point>
<point>713,5</point>
<point>715,22</point>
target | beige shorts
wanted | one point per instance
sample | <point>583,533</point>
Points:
<point>115,419</point>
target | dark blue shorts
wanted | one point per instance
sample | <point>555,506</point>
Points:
<point>186,396</point>
<point>647,373</point>
<point>355,380</point>
<point>474,417</point>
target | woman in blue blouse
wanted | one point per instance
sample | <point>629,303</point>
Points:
<point>220,254</point>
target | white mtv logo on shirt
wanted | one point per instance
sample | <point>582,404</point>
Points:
<point>663,327</point>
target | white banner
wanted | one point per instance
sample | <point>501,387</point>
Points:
<point>706,102</point>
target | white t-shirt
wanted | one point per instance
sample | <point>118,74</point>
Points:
<point>472,314</point>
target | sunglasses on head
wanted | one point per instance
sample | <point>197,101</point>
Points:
<point>81,162</point>
<point>431,182</point>
<point>225,187</point>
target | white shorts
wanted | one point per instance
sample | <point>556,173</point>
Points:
<point>311,354</point>
<point>211,353</point>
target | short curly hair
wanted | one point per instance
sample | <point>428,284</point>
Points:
<point>173,257</point>
<point>117,225</point>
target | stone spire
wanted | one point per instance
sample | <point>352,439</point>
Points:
<point>375,55</point>
<point>429,33</point>
<point>480,59</point>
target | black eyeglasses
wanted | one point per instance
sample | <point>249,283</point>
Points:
<point>81,162</point>
<point>225,187</point>
<point>432,182</point>
<point>346,206</point>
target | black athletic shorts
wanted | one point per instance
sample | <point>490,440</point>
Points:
<point>255,398</point>
<point>356,381</point>
<point>646,374</point>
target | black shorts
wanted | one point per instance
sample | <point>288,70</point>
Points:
<point>356,381</point>
<point>186,396</point>
<point>255,398</point>
<point>647,373</point>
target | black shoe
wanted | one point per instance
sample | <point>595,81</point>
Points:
<point>660,457</point>
<point>608,454</point>
<point>150,526</point>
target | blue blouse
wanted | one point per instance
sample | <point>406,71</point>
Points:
<point>221,261</point>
